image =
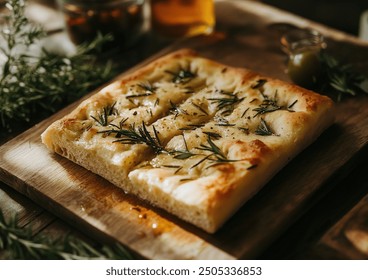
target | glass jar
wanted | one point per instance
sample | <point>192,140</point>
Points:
<point>303,47</point>
<point>122,18</point>
<point>182,18</point>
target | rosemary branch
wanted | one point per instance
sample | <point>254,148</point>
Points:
<point>339,79</point>
<point>136,135</point>
<point>33,86</point>
<point>102,118</point>
<point>226,104</point>
<point>264,129</point>
<point>268,105</point>
<point>20,243</point>
<point>181,76</point>
<point>216,156</point>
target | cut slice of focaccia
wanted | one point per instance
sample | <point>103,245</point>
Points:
<point>191,136</point>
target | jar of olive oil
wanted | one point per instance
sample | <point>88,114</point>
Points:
<point>303,47</point>
<point>182,18</point>
<point>123,19</point>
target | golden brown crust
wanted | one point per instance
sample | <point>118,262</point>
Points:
<point>225,132</point>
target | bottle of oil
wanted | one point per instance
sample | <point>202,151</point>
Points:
<point>181,18</point>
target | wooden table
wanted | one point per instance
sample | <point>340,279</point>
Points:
<point>332,217</point>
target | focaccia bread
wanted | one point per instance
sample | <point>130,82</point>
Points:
<point>191,136</point>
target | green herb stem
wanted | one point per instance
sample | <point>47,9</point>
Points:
<point>21,243</point>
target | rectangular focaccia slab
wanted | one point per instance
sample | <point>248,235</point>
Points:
<point>191,136</point>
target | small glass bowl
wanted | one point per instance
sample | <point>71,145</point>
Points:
<point>303,47</point>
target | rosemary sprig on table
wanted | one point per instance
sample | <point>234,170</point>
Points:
<point>21,243</point>
<point>32,86</point>
<point>339,79</point>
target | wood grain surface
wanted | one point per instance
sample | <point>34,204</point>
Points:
<point>348,238</point>
<point>248,36</point>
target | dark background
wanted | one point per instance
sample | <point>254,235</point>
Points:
<point>342,15</point>
<point>339,14</point>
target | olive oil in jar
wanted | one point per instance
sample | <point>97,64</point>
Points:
<point>303,46</point>
<point>181,18</point>
<point>123,19</point>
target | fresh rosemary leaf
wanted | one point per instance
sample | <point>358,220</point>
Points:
<point>102,118</point>
<point>212,148</point>
<point>292,104</point>
<point>260,83</point>
<point>171,166</point>
<point>138,95</point>
<point>226,104</point>
<point>185,143</point>
<point>244,113</point>
<point>181,76</point>
<point>252,167</point>
<point>337,80</point>
<point>136,135</point>
<point>178,170</point>
<point>200,108</point>
<point>212,135</point>
<point>268,105</point>
<point>183,154</point>
<point>192,127</point>
<point>263,129</point>
<point>199,162</point>
<point>215,152</point>
<point>215,156</point>
<point>186,179</point>
<point>147,87</point>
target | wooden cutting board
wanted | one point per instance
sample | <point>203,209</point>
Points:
<point>348,238</point>
<point>248,36</point>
